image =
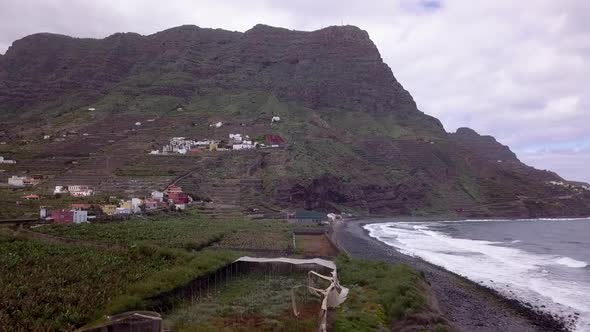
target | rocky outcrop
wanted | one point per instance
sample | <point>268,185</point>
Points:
<point>484,146</point>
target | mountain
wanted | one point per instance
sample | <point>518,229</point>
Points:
<point>485,147</point>
<point>356,140</point>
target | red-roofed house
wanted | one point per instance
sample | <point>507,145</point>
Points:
<point>69,216</point>
<point>179,198</point>
<point>173,189</point>
<point>77,206</point>
<point>62,216</point>
<point>274,140</point>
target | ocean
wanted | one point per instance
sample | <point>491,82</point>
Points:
<point>545,262</point>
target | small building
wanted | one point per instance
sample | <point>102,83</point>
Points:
<point>126,205</point>
<point>109,209</point>
<point>31,197</point>
<point>79,216</point>
<point>6,161</point>
<point>213,146</point>
<point>22,181</point>
<point>179,198</point>
<point>62,216</point>
<point>274,140</point>
<point>275,119</point>
<point>158,195</point>
<point>245,145</point>
<point>44,212</point>
<point>60,190</point>
<point>150,204</point>
<point>173,189</point>
<point>307,217</point>
<point>333,217</point>
<point>122,210</point>
<point>81,206</point>
<point>136,205</point>
<point>16,181</point>
<point>235,138</point>
<point>180,207</point>
<point>80,191</point>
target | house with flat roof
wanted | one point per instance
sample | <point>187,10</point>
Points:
<point>307,217</point>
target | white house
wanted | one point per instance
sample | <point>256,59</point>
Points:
<point>334,216</point>
<point>16,181</point>
<point>80,191</point>
<point>92,109</point>
<point>60,190</point>
<point>243,146</point>
<point>138,123</point>
<point>158,196</point>
<point>44,212</point>
<point>80,216</point>
<point>275,119</point>
<point>6,161</point>
<point>236,137</point>
<point>135,205</point>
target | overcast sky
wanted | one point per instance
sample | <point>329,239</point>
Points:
<point>518,70</point>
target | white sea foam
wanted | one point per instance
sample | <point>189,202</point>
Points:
<point>525,219</point>
<point>495,265</point>
<point>570,262</point>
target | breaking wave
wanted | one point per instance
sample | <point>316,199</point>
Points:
<point>541,279</point>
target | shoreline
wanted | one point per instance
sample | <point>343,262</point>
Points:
<point>467,305</point>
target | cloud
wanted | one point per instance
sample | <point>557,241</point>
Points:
<point>516,70</point>
<point>565,161</point>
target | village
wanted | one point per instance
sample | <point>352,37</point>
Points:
<point>80,203</point>
<point>184,146</point>
<point>172,198</point>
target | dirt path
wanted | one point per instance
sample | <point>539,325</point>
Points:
<point>468,306</point>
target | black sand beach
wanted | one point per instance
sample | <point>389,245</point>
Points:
<point>467,305</point>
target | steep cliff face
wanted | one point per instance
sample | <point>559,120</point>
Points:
<point>356,138</point>
<point>485,146</point>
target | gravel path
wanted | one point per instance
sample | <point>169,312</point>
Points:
<point>467,305</point>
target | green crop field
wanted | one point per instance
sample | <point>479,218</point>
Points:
<point>49,287</point>
<point>189,231</point>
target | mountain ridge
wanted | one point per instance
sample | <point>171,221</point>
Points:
<point>356,139</point>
